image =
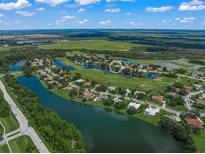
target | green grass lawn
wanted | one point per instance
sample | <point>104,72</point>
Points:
<point>117,80</point>
<point>22,144</point>
<point>10,123</point>
<point>200,141</point>
<point>4,149</point>
<point>183,63</point>
<point>91,44</point>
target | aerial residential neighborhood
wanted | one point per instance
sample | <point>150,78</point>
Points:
<point>102,76</point>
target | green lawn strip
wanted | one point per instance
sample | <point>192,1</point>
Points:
<point>91,44</point>
<point>22,144</point>
<point>199,140</point>
<point>4,149</point>
<point>10,123</point>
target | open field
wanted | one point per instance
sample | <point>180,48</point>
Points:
<point>91,44</point>
<point>10,123</point>
<point>23,144</point>
<point>4,149</point>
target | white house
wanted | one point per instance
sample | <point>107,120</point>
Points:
<point>80,81</point>
<point>132,104</point>
<point>111,88</point>
<point>117,100</point>
<point>101,98</point>
<point>151,111</point>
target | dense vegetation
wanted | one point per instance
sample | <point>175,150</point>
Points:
<point>179,133</point>
<point>4,109</point>
<point>59,135</point>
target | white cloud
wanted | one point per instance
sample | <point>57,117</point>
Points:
<point>128,14</point>
<point>1,15</point>
<point>65,19</point>
<point>133,23</point>
<point>115,10</point>
<point>81,10</point>
<point>165,21</point>
<point>159,9</point>
<point>86,2</point>
<point>110,1</point>
<point>52,2</point>
<point>194,5</point>
<point>26,14</point>
<point>185,20</point>
<point>40,9</point>
<point>4,23</point>
<point>81,22</point>
<point>104,22</point>
<point>15,5</point>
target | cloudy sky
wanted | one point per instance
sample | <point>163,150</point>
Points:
<point>152,14</point>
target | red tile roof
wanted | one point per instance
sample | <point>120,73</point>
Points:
<point>195,122</point>
<point>88,94</point>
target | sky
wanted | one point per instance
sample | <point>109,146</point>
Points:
<point>93,14</point>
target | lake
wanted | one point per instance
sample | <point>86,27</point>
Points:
<point>17,66</point>
<point>104,130</point>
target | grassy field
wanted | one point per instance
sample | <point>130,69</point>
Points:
<point>183,63</point>
<point>200,141</point>
<point>22,144</point>
<point>10,123</point>
<point>117,80</point>
<point>4,149</point>
<point>91,44</point>
<point>6,48</point>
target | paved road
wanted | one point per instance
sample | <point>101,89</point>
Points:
<point>23,122</point>
<point>187,99</point>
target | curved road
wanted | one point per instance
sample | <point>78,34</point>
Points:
<point>23,121</point>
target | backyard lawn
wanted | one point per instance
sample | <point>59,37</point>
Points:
<point>22,144</point>
<point>91,44</point>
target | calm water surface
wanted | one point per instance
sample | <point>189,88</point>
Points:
<point>105,131</point>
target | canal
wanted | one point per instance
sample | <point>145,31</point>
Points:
<point>105,131</point>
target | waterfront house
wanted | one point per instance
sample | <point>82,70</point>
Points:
<point>135,105</point>
<point>101,98</point>
<point>116,100</point>
<point>151,111</point>
<point>194,122</point>
<point>88,95</point>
